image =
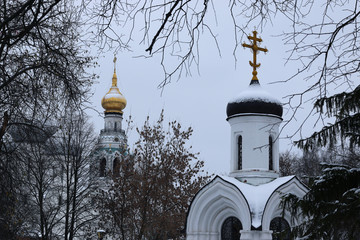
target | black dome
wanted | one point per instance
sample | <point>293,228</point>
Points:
<point>234,108</point>
<point>254,100</point>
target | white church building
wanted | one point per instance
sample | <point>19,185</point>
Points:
<point>246,203</point>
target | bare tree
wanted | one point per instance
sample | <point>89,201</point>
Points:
<point>306,166</point>
<point>42,63</point>
<point>36,179</point>
<point>74,144</point>
<point>54,163</point>
<point>174,27</point>
<point>171,29</point>
<point>150,196</point>
<point>42,69</point>
<point>288,163</point>
<point>13,212</point>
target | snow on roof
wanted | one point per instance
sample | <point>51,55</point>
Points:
<point>113,93</point>
<point>257,196</point>
<point>255,93</point>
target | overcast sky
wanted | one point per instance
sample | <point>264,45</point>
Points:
<point>200,100</point>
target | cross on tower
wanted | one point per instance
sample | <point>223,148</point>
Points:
<point>114,63</point>
<point>255,48</point>
<point>114,79</point>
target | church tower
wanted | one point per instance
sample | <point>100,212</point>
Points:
<point>111,146</point>
<point>254,117</point>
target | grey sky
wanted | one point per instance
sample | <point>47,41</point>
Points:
<point>200,100</point>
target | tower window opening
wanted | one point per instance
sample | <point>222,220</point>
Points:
<point>116,167</point>
<point>271,161</point>
<point>102,167</point>
<point>115,126</point>
<point>240,152</point>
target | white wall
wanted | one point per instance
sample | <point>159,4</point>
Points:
<point>255,130</point>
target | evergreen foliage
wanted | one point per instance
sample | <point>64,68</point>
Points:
<point>330,210</point>
<point>345,108</point>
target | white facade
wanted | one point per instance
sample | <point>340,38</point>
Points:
<point>255,130</point>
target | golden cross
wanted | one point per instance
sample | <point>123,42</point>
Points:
<point>255,48</point>
<point>114,78</point>
<point>114,63</point>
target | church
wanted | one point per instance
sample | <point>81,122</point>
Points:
<point>246,203</point>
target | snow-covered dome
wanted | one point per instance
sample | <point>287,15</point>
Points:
<point>254,100</point>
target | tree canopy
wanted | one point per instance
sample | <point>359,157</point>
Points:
<point>43,67</point>
<point>330,209</point>
<point>154,185</point>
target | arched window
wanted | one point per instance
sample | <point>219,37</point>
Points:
<point>240,152</point>
<point>271,161</point>
<point>230,229</point>
<point>102,167</point>
<point>280,228</point>
<point>116,167</point>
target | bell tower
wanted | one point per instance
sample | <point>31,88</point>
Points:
<point>112,141</point>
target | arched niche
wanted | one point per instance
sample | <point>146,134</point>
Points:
<point>273,208</point>
<point>102,168</point>
<point>116,167</point>
<point>212,205</point>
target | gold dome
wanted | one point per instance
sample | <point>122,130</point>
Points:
<point>113,101</point>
